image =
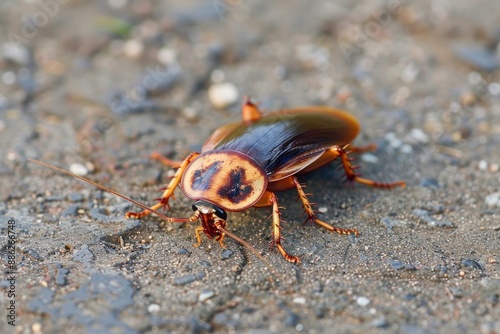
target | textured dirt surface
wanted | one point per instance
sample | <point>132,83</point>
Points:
<point>98,86</point>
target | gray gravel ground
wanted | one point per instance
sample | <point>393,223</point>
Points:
<point>97,86</point>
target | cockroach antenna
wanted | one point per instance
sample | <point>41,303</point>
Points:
<point>156,212</point>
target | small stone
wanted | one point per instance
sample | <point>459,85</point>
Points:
<point>369,158</point>
<point>182,251</point>
<point>478,56</point>
<point>76,197</point>
<point>153,308</point>
<point>493,200</point>
<point>471,263</point>
<point>406,149</point>
<point>133,48</point>
<point>362,301</point>
<point>483,165</point>
<point>78,169</point>
<point>191,114</point>
<point>205,294</point>
<point>299,300</point>
<point>227,253</point>
<point>397,265</point>
<point>167,56</point>
<point>36,328</point>
<point>393,140</point>
<point>323,209</point>
<point>16,52</point>
<point>222,95</point>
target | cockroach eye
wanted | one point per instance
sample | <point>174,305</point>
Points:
<point>219,212</point>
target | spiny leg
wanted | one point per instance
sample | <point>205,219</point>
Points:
<point>353,176</point>
<point>169,190</point>
<point>312,214</point>
<point>220,237</point>
<point>276,234</point>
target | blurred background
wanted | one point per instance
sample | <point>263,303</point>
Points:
<point>95,87</point>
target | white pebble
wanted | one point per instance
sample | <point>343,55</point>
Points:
<point>167,56</point>
<point>362,301</point>
<point>406,149</point>
<point>299,300</point>
<point>133,48</point>
<point>78,169</point>
<point>369,158</point>
<point>222,95</point>
<point>204,295</point>
<point>493,200</point>
<point>393,140</point>
<point>153,308</point>
<point>323,209</point>
<point>483,165</point>
<point>418,136</point>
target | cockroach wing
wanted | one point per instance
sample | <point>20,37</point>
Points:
<point>288,140</point>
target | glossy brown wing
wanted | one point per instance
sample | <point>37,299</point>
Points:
<point>287,140</point>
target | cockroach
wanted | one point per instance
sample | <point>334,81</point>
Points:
<point>243,165</point>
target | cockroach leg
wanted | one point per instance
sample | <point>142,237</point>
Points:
<point>166,161</point>
<point>353,176</point>
<point>169,191</point>
<point>362,149</point>
<point>220,239</point>
<point>312,214</point>
<point>198,232</point>
<point>276,235</point>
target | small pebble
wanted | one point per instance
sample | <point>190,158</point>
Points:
<point>205,294</point>
<point>483,165</point>
<point>397,265</point>
<point>36,328</point>
<point>393,140</point>
<point>493,200</point>
<point>133,48</point>
<point>227,253</point>
<point>204,264</point>
<point>299,300</point>
<point>362,301</point>
<point>417,135</point>
<point>471,263</point>
<point>222,95</point>
<point>182,251</point>
<point>78,169</point>
<point>323,209</point>
<point>406,149</point>
<point>61,276</point>
<point>430,183</point>
<point>190,278</point>
<point>76,197</point>
<point>153,308</point>
<point>478,56</point>
<point>16,52</point>
<point>167,56</point>
<point>369,158</point>
<point>494,168</point>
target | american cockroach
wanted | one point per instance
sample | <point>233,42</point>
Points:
<point>243,164</point>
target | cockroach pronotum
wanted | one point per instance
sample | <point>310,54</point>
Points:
<point>243,164</point>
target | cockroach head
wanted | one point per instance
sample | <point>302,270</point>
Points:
<point>208,209</point>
